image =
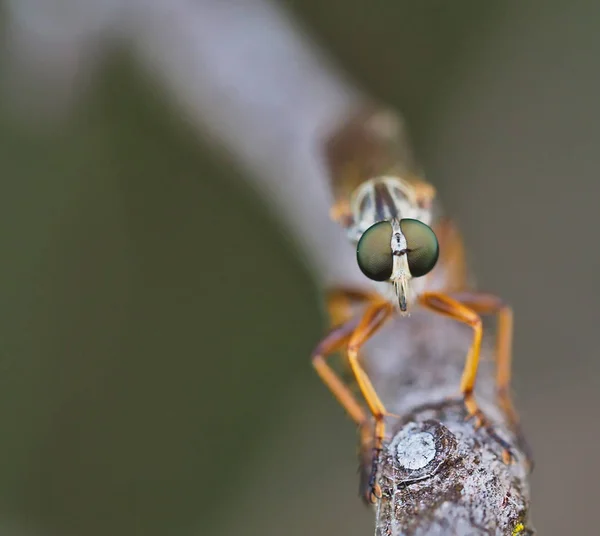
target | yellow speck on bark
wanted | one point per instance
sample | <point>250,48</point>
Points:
<point>518,529</point>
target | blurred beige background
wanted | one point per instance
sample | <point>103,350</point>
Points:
<point>150,386</point>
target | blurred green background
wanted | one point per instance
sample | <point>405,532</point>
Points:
<point>155,376</point>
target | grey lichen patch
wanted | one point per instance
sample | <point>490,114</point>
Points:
<point>415,451</point>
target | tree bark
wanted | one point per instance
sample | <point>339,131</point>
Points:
<point>441,475</point>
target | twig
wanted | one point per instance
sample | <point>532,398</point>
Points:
<point>440,475</point>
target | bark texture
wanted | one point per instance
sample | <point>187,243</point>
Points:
<point>441,475</point>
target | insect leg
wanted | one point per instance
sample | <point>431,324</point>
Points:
<point>340,300</point>
<point>334,341</point>
<point>447,306</point>
<point>371,321</point>
<point>488,304</point>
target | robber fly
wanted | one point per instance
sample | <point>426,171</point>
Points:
<point>414,258</point>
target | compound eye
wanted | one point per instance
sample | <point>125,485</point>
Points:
<point>374,252</point>
<point>422,245</point>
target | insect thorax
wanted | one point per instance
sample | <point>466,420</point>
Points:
<point>385,198</point>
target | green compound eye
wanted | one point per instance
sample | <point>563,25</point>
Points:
<point>374,252</point>
<point>422,244</point>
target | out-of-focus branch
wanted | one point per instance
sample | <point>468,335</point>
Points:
<point>241,71</point>
<point>245,73</point>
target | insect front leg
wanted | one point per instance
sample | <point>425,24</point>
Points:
<point>488,304</point>
<point>371,321</point>
<point>341,299</point>
<point>452,308</point>
<point>333,342</point>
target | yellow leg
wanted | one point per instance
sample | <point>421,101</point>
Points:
<point>371,321</point>
<point>333,342</point>
<point>488,304</point>
<point>340,300</point>
<point>447,306</point>
<point>339,305</point>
